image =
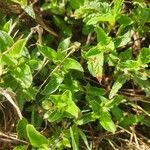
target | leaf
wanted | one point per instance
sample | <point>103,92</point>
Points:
<point>95,107</point>
<point>36,139</point>
<point>65,103</point>
<point>21,147</point>
<point>71,106</point>
<point>114,102</point>
<point>123,40</point>
<point>101,35</point>
<point>117,85</point>
<point>85,118</point>
<point>48,52</point>
<point>55,116</point>
<point>95,90</point>
<point>144,56</point>
<point>131,120</point>
<point>129,66</point>
<point>53,84</point>
<point>63,45</point>
<point>84,138</point>
<point>21,2</point>
<point>104,117</point>
<point>7,26</point>
<point>8,60</point>
<point>106,121</point>
<point>92,52</point>
<point>21,129</point>
<point>118,113</point>
<point>63,49</point>
<point>5,41</point>
<point>61,24</point>
<point>102,18</point>
<point>17,48</point>
<point>124,20</point>
<point>74,144</point>
<point>95,66</point>
<point>143,83</point>
<point>70,63</point>
<point>23,75</point>
<point>117,6</point>
<point>126,55</point>
<point>29,10</point>
<point>92,8</point>
<point>76,4</point>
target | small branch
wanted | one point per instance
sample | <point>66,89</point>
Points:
<point>6,94</point>
<point>12,138</point>
<point>74,47</point>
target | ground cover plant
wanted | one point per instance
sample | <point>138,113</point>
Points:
<point>74,74</point>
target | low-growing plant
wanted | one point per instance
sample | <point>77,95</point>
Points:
<point>88,77</point>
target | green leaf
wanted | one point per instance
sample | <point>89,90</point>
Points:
<point>117,85</point>
<point>84,119</point>
<point>117,6</point>
<point>102,18</point>
<point>36,139</point>
<point>5,41</point>
<point>21,129</point>
<point>61,24</point>
<point>123,40</point>
<point>53,84</point>
<point>17,48</point>
<point>8,26</point>
<point>63,49</point>
<point>143,82</point>
<point>131,120</point>
<point>76,4</point>
<point>106,121</point>
<point>63,45</point>
<point>35,64</point>
<point>92,8</point>
<point>70,63</point>
<point>95,90</point>
<point>95,66</point>
<point>29,10</point>
<point>92,52</point>
<point>74,144</point>
<point>21,147</point>
<point>65,103</point>
<point>118,113</point>
<point>101,35</point>
<point>104,117</point>
<point>48,52</point>
<point>84,138</point>
<point>95,107</point>
<point>129,66</point>
<point>113,102</point>
<point>124,20</point>
<point>8,60</point>
<point>126,55</point>
<point>21,2</point>
<point>55,116</point>
<point>23,75</point>
<point>71,106</point>
<point>144,56</point>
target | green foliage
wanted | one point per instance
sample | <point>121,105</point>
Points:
<point>77,84</point>
<point>36,139</point>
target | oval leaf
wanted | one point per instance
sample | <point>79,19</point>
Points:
<point>17,48</point>
<point>36,139</point>
<point>53,84</point>
<point>106,121</point>
<point>70,63</point>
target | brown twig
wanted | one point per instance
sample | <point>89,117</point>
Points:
<point>7,95</point>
